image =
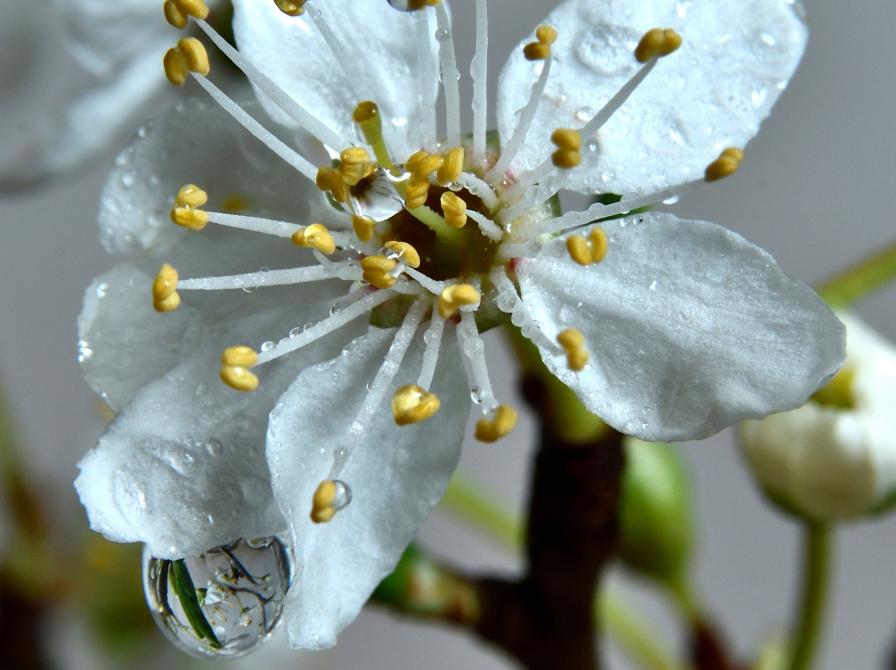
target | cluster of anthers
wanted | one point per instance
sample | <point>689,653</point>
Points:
<point>462,217</point>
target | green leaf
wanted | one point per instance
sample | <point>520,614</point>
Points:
<point>861,279</point>
<point>183,587</point>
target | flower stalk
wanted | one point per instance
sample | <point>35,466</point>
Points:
<point>811,612</point>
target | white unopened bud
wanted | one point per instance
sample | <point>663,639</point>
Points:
<point>834,458</point>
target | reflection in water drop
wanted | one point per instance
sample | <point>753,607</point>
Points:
<point>222,604</point>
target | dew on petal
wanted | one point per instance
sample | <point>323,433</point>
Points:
<point>223,603</point>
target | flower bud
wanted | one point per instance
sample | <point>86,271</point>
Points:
<point>834,458</point>
<point>657,525</point>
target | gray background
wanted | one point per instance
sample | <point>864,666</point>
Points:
<point>816,190</point>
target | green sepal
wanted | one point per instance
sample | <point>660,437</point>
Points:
<point>182,584</point>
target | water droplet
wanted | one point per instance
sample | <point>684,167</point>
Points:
<point>592,146</point>
<point>653,285</point>
<point>673,200</point>
<point>267,346</point>
<point>128,179</point>
<point>142,132</point>
<point>476,395</point>
<point>768,39</point>
<point>121,159</point>
<point>343,495</point>
<point>234,595</point>
<point>214,447</point>
<point>607,49</point>
<point>443,34</point>
<point>399,121</point>
<point>584,114</point>
<point>85,353</point>
<point>759,97</point>
<point>401,5</point>
<point>371,386</point>
<point>681,8</point>
<point>335,308</point>
<point>295,332</point>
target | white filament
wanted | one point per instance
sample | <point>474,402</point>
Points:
<point>285,277</point>
<point>480,188</point>
<point>474,349</point>
<point>617,100</point>
<point>327,326</point>
<point>347,63</point>
<point>522,128</point>
<point>488,227</point>
<point>479,73</point>
<point>266,137</point>
<point>450,76</point>
<point>433,341</point>
<point>427,74</point>
<point>431,285</point>
<point>282,99</point>
<point>255,224</point>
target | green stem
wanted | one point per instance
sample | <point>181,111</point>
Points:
<point>436,223</point>
<point>810,616</point>
<point>634,636</point>
<point>861,279</point>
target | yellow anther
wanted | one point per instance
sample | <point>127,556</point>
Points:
<point>452,167</point>
<point>573,343</point>
<point>571,338</point>
<point>191,195</point>
<point>330,180</point>
<point>411,404</point>
<point>426,165</point>
<point>415,159</point>
<point>239,357</point>
<point>599,244</point>
<point>377,271</point>
<point>657,43</point>
<point>323,501</point>
<point>592,250</point>
<point>164,290</point>
<point>291,7</point>
<point>725,165</point>
<point>541,49</point>
<point>188,56</point>
<point>578,249</point>
<point>315,236</point>
<point>407,253</point>
<point>569,146</point>
<point>364,227</point>
<point>546,34</point>
<point>456,296</point>
<point>178,11</point>
<point>417,192</point>
<point>235,364</point>
<point>455,209</point>
<point>500,425</point>
<point>355,165</point>
<point>188,217</point>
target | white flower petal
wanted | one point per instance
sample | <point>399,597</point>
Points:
<point>396,475</point>
<point>712,93</point>
<point>82,126</point>
<point>182,468</point>
<point>382,47</point>
<point>690,327</point>
<point>117,367</point>
<point>102,34</point>
<point>195,142</point>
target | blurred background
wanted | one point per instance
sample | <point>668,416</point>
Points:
<point>816,190</point>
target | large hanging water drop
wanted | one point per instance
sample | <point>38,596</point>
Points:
<point>223,603</point>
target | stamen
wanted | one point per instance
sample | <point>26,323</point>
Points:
<point>657,43</point>
<point>177,12</point>
<point>592,250</point>
<point>725,165</point>
<point>417,192</point>
<point>164,290</point>
<point>266,137</point>
<point>486,226</point>
<point>480,188</point>
<point>455,209</point>
<point>286,277</point>
<point>531,108</point>
<point>291,7</point>
<point>267,85</point>
<point>450,75</point>
<point>479,73</point>
<point>433,340</point>
<point>378,271</point>
<point>364,227</point>
<point>411,404</point>
<point>573,343</point>
<point>235,364</point>
<point>501,424</point>
<point>452,166</point>
<point>456,296</point>
<point>327,326</point>
<point>367,116</point>
<point>431,285</point>
<point>384,376</point>
<point>330,497</point>
<point>330,181</point>
<point>255,224</point>
<point>188,56</point>
<point>406,253</point>
<point>569,148</point>
<point>315,236</point>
